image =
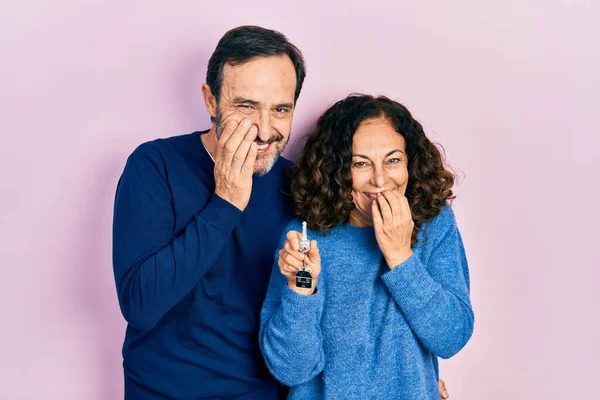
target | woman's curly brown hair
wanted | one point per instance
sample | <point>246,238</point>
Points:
<point>322,183</point>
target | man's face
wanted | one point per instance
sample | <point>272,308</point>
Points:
<point>261,90</point>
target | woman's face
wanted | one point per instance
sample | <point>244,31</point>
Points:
<point>379,163</point>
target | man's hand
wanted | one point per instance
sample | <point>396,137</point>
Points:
<point>443,392</point>
<point>290,262</point>
<point>234,162</point>
<point>393,225</point>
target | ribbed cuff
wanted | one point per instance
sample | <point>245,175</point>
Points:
<point>300,306</point>
<point>221,214</point>
<point>411,285</point>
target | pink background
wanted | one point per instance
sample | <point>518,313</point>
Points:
<point>510,89</point>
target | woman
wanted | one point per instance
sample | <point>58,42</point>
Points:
<point>390,289</point>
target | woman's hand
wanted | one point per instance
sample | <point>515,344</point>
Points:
<point>290,261</point>
<point>393,224</point>
<point>443,391</point>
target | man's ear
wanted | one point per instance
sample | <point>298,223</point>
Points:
<point>210,100</point>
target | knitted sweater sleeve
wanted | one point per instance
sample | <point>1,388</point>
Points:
<point>153,269</point>
<point>290,334</point>
<point>434,297</point>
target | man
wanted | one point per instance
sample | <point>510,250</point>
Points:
<point>196,223</point>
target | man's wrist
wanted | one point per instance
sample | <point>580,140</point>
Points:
<point>231,201</point>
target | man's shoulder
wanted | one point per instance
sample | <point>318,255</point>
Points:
<point>167,151</point>
<point>281,172</point>
<point>283,164</point>
<point>158,147</point>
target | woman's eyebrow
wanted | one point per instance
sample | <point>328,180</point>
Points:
<point>387,155</point>
<point>394,151</point>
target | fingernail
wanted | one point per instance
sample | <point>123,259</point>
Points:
<point>231,124</point>
<point>253,129</point>
<point>246,122</point>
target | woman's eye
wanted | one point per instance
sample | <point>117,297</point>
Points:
<point>359,164</point>
<point>394,160</point>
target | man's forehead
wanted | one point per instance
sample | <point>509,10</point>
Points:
<point>263,79</point>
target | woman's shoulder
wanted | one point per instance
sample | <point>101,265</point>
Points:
<point>441,223</point>
<point>294,224</point>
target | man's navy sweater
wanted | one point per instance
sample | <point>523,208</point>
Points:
<point>191,272</point>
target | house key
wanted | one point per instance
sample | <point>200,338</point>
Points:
<point>303,276</point>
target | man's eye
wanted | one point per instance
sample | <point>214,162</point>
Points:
<point>245,107</point>
<point>280,110</point>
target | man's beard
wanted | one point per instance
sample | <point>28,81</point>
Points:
<point>266,161</point>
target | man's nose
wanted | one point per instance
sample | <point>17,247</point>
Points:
<point>263,123</point>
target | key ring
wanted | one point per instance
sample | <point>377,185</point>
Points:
<point>304,276</point>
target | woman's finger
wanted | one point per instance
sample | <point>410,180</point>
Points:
<point>293,251</point>
<point>384,207</point>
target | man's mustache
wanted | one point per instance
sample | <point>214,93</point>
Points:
<point>272,139</point>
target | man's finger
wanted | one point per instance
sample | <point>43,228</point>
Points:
<point>233,142</point>
<point>247,169</point>
<point>228,127</point>
<point>239,158</point>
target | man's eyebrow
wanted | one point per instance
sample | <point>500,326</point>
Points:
<point>245,101</point>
